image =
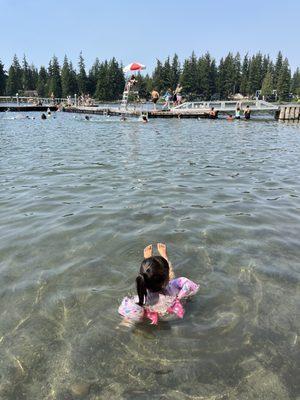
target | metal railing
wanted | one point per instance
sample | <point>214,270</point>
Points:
<point>226,105</point>
<point>33,100</point>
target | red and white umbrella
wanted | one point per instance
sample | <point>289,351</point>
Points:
<point>134,67</point>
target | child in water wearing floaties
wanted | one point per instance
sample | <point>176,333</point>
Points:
<point>160,294</point>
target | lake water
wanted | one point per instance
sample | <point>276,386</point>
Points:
<point>79,202</point>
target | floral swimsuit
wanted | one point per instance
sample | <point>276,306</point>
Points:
<point>159,305</point>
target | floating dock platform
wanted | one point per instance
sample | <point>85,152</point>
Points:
<point>114,111</point>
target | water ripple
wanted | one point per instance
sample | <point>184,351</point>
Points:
<point>79,201</point>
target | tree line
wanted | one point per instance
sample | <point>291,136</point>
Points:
<point>201,77</point>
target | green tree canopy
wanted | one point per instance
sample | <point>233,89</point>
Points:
<point>14,80</point>
<point>82,80</point>
<point>54,79</point>
<point>28,78</point>
<point>93,77</point>
<point>2,79</point>
<point>68,79</point>
<point>295,86</point>
<point>267,84</point>
<point>42,82</point>
<point>277,68</point>
<point>284,81</point>
<point>244,87</point>
<point>201,77</point>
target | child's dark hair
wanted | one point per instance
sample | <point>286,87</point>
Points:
<point>154,274</point>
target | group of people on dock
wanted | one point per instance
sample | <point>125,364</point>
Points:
<point>170,96</point>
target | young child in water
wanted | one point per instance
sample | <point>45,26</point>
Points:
<point>159,293</point>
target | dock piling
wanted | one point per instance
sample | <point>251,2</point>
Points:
<point>289,112</point>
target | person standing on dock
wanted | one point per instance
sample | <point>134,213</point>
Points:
<point>247,113</point>
<point>177,95</point>
<point>167,96</point>
<point>154,97</point>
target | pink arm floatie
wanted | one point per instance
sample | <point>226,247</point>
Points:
<point>185,287</point>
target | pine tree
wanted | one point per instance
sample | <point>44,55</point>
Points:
<point>102,88</point>
<point>237,73</point>
<point>255,74</point>
<point>203,76</point>
<point>175,72</point>
<point>157,77</point>
<point>295,86</point>
<point>93,77</point>
<point>188,77</point>
<point>267,84</point>
<point>73,76</point>
<point>143,86</point>
<point>277,68</point>
<point>167,75</point>
<point>2,79</point>
<point>14,80</point>
<point>42,82</point>
<point>265,65</point>
<point>227,75</point>
<point>68,79</point>
<point>213,76</point>
<point>244,88</point>
<point>284,81</point>
<point>54,80</point>
<point>82,80</point>
<point>34,76</point>
<point>115,80</point>
<point>27,76</point>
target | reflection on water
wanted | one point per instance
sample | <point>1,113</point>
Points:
<point>79,201</point>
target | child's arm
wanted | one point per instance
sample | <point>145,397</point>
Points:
<point>171,272</point>
<point>130,310</point>
<point>186,287</point>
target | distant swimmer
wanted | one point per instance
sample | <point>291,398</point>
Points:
<point>123,118</point>
<point>229,117</point>
<point>43,116</point>
<point>87,118</point>
<point>238,113</point>
<point>48,111</point>
<point>212,113</point>
<point>247,113</point>
<point>143,118</point>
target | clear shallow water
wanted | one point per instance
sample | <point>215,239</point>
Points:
<point>79,201</point>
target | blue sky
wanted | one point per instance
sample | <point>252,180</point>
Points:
<point>144,30</point>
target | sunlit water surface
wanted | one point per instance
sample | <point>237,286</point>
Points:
<point>79,201</point>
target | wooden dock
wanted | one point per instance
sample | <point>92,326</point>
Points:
<point>137,113</point>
